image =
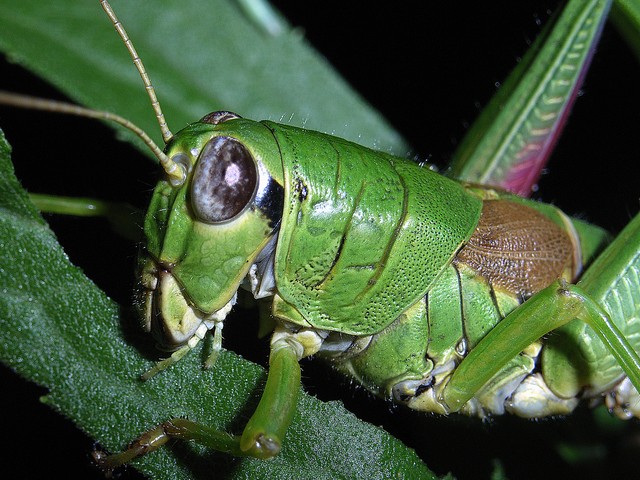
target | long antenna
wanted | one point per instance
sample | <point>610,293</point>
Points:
<point>175,171</point>
<point>137,61</point>
<point>35,103</point>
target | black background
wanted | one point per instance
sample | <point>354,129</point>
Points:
<point>429,70</point>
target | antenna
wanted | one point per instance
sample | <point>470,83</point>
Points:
<point>175,171</point>
<point>137,61</point>
<point>35,103</point>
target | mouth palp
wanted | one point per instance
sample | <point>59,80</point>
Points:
<point>168,313</point>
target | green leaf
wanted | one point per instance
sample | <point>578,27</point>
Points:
<point>62,332</point>
<point>74,46</point>
<point>626,17</point>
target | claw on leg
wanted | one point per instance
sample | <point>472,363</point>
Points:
<point>147,442</point>
<point>179,428</point>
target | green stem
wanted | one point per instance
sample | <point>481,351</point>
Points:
<point>124,219</point>
<point>79,207</point>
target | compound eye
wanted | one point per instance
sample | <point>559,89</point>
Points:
<point>216,118</point>
<point>224,180</point>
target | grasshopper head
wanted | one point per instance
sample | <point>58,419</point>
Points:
<point>203,235</point>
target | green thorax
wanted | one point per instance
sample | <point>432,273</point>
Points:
<point>363,234</point>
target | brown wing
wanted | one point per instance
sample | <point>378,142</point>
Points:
<point>518,248</point>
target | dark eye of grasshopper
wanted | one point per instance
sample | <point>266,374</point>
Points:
<point>221,116</point>
<point>224,180</point>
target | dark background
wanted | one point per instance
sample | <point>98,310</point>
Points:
<point>429,72</point>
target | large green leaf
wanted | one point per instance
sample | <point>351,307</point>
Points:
<point>193,51</point>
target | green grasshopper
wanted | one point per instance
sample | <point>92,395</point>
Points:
<point>278,196</point>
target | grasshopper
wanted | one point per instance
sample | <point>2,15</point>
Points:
<point>301,186</point>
